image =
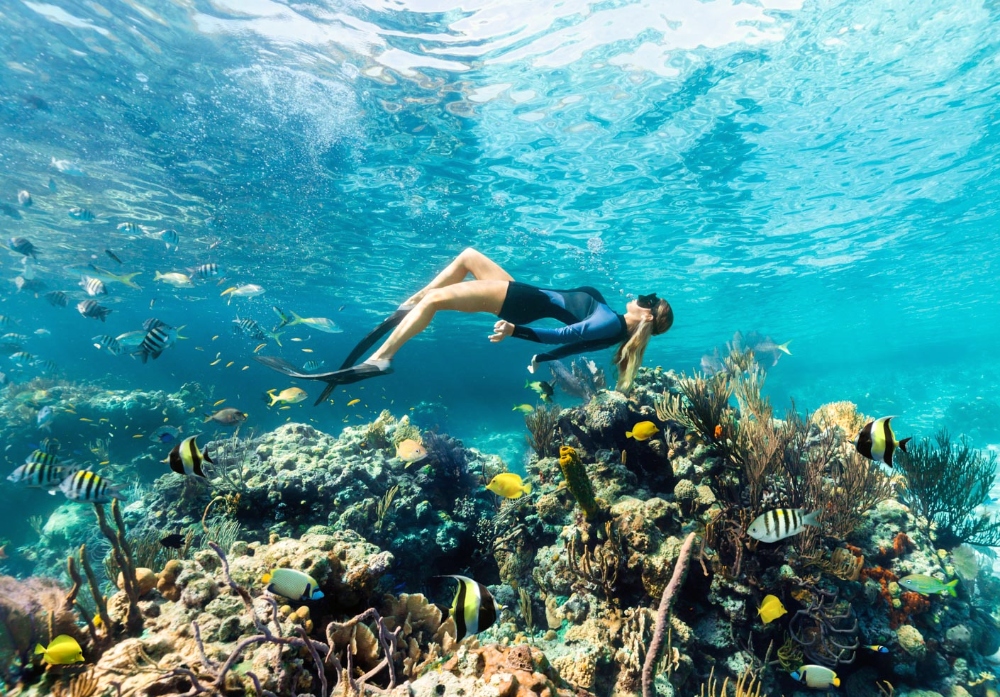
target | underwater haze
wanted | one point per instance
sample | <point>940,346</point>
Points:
<point>813,172</point>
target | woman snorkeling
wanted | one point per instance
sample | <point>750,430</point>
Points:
<point>590,323</point>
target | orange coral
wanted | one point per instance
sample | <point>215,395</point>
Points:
<point>910,603</point>
<point>901,544</point>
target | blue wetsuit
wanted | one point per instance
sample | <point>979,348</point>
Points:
<point>590,323</point>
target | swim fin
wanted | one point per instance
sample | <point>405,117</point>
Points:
<point>346,376</point>
<point>387,325</point>
<point>338,377</point>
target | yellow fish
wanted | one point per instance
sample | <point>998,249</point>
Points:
<point>291,395</point>
<point>215,337</point>
<point>216,361</point>
<point>284,407</point>
<point>62,650</point>
<point>508,485</point>
<point>523,408</point>
<point>644,430</point>
<point>259,347</point>
<point>230,363</point>
<point>307,350</point>
<point>246,367</point>
<point>218,403</point>
<point>353,402</point>
<point>770,609</point>
<point>84,418</point>
<point>410,451</point>
<point>138,435</point>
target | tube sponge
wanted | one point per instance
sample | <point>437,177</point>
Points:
<point>578,482</point>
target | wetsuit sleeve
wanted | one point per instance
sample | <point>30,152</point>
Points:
<point>560,335</point>
<point>573,349</point>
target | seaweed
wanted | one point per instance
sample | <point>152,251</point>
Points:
<point>543,425</point>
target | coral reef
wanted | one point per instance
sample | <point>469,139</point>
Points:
<point>628,568</point>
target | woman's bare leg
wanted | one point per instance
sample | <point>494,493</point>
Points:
<point>468,262</point>
<point>473,296</point>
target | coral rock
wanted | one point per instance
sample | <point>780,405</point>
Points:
<point>145,577</point>
<point>911,641</point>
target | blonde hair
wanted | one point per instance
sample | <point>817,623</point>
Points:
<point>629,355</point>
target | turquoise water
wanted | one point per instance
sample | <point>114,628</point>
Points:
<point>823,173</point>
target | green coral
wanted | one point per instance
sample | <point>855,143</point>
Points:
<point>578,482</point>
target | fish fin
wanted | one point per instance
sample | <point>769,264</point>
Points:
<point>784,347</point>
<point>227,291</point>
<point>295,320</point>
<point>526,488</point>
<point>950,587</point>
<point>811,519</point>
<point>902,443</point>
<point>39,649</point>
<point>126,279</point>
<point>157,276</point>
<point>281,314</point>
<point>266,578</point>
<point>208,417</point>
<point>628,434</point>
<point>206,457</point>
<point>179,337</point>
<point>275,336</point>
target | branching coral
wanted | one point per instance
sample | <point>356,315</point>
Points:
<point>948,482</point>
<point>598,568</point>
<point>122,552</point>
<point>232,459</point>
<point>210,677</point>
<point>663,615</point>
<point>827,634</point>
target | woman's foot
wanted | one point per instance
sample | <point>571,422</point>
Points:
<point>375,335</point>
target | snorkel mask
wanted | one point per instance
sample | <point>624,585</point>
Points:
<point>647,302</point>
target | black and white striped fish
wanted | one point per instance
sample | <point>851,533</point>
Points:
<point>22,246</point>
<point>250,328</point>
<point>22,359</point>
<point>153,323</point>
<point>57,298</point>
<point>779,523</point>
<point>156,341</point>
<point>41,475</point>
<point>88,487</point>
<point>168,237</point>
<point>206,270</point>
<point>81,214</point>
<point>93,286</point>
<point>877,441</point>
<point>185,458</point>
<point>31,285</point>
<point>93,310</point>
<point>473,609</point>
<point>130,227</point>
<point>42,456</point>
<point>46,366</point>
<point>103,341</point>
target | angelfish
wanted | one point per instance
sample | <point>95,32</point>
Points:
<point>877,441</point>
<point>292,584</point>
<point>186,459</point>
<point>474,608</point>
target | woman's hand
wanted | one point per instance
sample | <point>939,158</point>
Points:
<point>501,330</point>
